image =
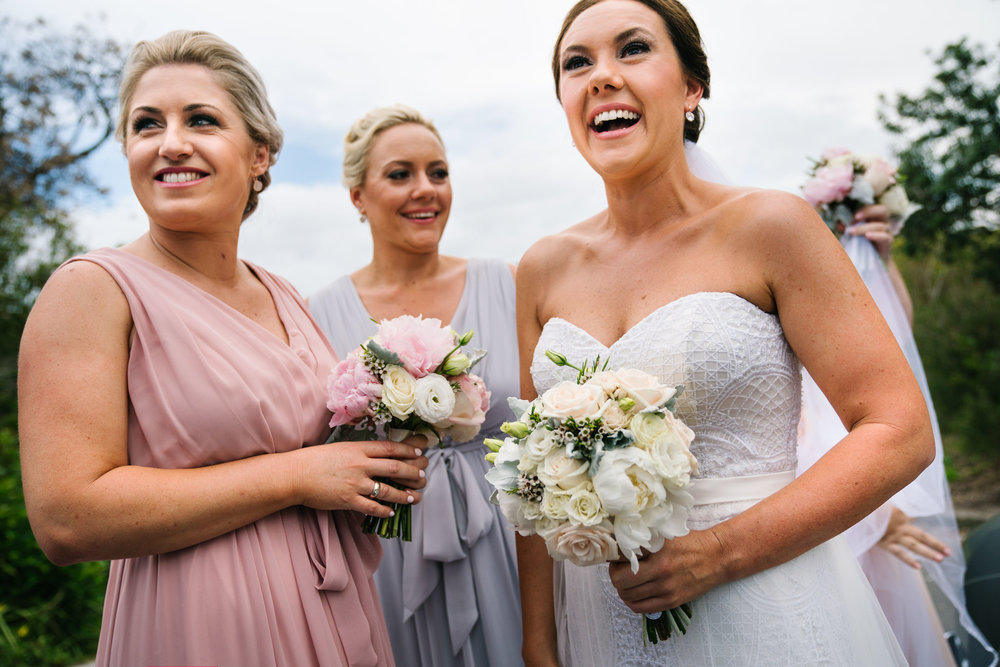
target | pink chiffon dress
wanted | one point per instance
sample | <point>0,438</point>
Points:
<point>208,385</point>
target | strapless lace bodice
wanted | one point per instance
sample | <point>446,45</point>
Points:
<point>742,382</point>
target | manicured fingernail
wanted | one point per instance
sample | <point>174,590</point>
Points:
<point>422,474</point>
<point>391,513</point>
<point>417,451</point>
<point>409,499</point>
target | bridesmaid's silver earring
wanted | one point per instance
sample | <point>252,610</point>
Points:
<point>257,185</point>
<point>689,116</point>
<point>363,217</point>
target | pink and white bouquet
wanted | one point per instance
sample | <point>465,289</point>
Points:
<point>411,377</point>
<point>841,182</point>
<point>598,468</point>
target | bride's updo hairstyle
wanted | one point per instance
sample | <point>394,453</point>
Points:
<point>232,72</point>
<point>683,33</point>
<point>360,138</point>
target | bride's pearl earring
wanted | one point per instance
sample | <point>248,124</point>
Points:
<point>257,185</point>
<point>689,116</point>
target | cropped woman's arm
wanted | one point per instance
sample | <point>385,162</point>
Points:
<point>84,500</point>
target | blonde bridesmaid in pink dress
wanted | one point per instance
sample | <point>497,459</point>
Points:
<point>172,410</point>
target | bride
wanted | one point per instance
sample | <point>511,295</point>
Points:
<point>724,290</point>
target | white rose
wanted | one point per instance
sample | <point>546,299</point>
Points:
<point>554,501</point>
<point>545,526</point>
<point>560,470</point>
<point>644,388</point>
<point>569,399</point>
<point>398,391</point>
<point>584,507</point>
<point>434,399</point>
<point>613,415</point>
<point>626,481</point>
<point>606,380</point>
<point>896,201</point>
<point>671,451</point>
<point>539,443</point>
<point>583,545</point>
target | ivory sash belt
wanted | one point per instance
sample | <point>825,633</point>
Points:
<point>735,489</point>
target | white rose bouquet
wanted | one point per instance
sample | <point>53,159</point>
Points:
<point>841,182</point>
<point>410,377</point>
<point>598,468</point>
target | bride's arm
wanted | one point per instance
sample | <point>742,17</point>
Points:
<point>829,319</point>
<point>534,565</point>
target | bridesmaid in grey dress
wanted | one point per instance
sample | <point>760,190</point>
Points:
<point>450,596</point>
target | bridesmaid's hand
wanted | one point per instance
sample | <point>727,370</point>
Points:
<point>342,475</point>
<point>684,569</point>
<point>875,223</point>
<point>905,541</point>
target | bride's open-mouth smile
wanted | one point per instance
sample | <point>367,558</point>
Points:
<point>608,121</point>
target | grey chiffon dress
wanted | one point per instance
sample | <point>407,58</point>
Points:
<point>450,596</point>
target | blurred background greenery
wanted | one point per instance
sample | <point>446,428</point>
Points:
<point>57,101</point>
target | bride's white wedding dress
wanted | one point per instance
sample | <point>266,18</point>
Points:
<point>741,398</point>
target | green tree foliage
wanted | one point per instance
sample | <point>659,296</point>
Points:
<point>950,155</point>
<point>951,135</point>
<point>57,101</point>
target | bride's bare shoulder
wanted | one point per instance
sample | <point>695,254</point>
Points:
<point>551,253</point>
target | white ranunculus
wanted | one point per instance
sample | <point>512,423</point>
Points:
<point>569,399</point>
<point>563,471</point>
<point>583,545</point>
<point>647,427</point>
<point>644,388</point>
<point>584,507</point>
<point>398,391</point>
<point>434,399</point>
<point>623,480</point>
<point>554,501</point>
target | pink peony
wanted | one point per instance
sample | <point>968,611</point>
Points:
<point>420,343</point>
<point>350,389</point>
<point>830,184</point>
<point>472,400</point>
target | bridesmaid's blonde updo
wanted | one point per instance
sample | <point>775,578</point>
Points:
<point>361,136</point>
<point>233,73</point>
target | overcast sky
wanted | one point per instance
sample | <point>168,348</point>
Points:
<point>789,78</point>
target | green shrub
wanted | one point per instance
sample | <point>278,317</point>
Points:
<point>956,322</point>
<point>49,615</point>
